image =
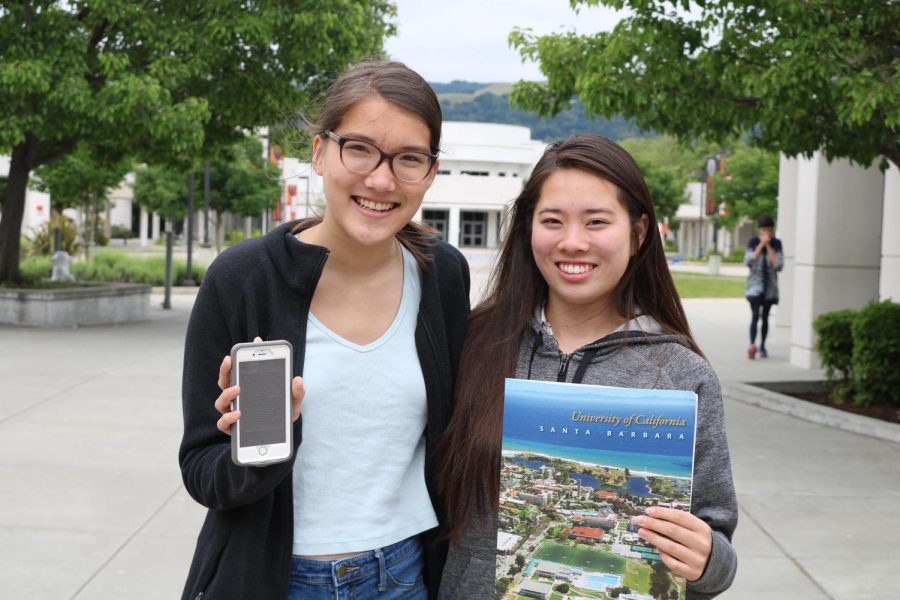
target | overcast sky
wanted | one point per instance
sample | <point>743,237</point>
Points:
<point>467,39</point>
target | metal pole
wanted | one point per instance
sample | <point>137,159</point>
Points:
<point>189,276</point>
<point>167,298</point>
<point>702,214</point>
<point>206,204</point>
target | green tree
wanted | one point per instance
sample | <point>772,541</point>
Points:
<point>162,190</point>
<point>796,77</point>
<point>668,166</point>
<point>242,183</point>
<point>667,194</point>
<point>82,180</point>
<point>748,186</point>
<point>163,82</point>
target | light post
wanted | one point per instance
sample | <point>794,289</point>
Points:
<point>206,204</point>
<point>189,277</point>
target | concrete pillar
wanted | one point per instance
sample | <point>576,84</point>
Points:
<point>144,227</point>
<point>889,285</point>
<point>837,243</point>
<point>154,229</point>
<point>786,231</point>
<point>453,227</point>
<point>492,219</point>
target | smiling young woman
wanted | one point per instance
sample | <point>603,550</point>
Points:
<point>376,309</point>
<point>582,294</point>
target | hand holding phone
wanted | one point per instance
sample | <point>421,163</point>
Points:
<point>259,401</point>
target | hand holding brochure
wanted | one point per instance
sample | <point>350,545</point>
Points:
<point>579,463</point>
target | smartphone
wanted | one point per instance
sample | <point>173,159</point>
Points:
<point>263,434</point>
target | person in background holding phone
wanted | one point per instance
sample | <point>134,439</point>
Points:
<point>582,294</point>
<point>765,259</point>
<point>376,308</point>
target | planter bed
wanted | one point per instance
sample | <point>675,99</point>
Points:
<point>90,304</point>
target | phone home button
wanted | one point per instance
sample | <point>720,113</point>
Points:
<point>263,450</point>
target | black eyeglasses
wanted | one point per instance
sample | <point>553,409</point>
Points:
<point>409,166</point>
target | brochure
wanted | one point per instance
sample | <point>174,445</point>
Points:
<point>579,462</point>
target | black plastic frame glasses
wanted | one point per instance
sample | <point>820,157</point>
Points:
<point>412,172</point>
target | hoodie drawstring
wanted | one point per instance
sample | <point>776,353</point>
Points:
<point>586,359</point>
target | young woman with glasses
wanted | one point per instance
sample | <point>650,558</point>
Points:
<point>376,308</point>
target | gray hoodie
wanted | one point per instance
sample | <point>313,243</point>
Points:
<point>637,355</point>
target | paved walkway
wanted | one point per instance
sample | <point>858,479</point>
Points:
<point>93,506</point>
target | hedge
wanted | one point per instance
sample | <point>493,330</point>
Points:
<point>860,351</point>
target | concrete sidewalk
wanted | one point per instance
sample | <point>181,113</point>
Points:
<point>93,506</point>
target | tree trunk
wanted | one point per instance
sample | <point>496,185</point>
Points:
<point>218,232</point>
<point>20,166</point>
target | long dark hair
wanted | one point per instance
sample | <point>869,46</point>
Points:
<point>401,86</point>
<point>470,449</point>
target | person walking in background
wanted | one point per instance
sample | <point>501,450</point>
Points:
<point>765,258</point>
<point>582,293</point>
<point>376,308</point>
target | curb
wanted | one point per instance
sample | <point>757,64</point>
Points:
<point>810,411</point>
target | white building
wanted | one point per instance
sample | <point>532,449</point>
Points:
<point>696,230</point>
<point>37,204</point>
<point>482,168</point>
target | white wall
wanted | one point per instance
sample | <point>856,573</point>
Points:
<point>837,241</point>
<point>784,230</point>
<point>889,284</point>
<point>37,204</point>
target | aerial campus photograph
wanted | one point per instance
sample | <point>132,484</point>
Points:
<point>579,463</point>
<point>578,541</point>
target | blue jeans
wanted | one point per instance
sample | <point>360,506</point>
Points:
<point>392,572</point>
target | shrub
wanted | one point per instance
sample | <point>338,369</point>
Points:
<point>876,353</point>
<point>736,256</point>
<point>120,267</point>
<point>35,268</point>
<point>120,232</point>
<point>834,344</point>
<point>237,235</point>
<point>42,242</point>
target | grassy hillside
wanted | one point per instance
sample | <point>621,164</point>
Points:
<point>489,103</point>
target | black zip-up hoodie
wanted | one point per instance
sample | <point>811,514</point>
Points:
<point>263,287</point>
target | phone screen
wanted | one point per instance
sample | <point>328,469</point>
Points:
<point>262,402</point>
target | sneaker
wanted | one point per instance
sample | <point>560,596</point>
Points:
<point>751,351</point>
<point>763,354</point>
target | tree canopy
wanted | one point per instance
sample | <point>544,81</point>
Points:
<point>747,182</point>
<point>161,81</point>
<point>748,185</point>
<point>795,77</point>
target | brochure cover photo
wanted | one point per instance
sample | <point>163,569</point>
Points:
<point>579,462</point>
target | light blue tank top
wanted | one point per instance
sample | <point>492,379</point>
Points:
<point>359,475</point>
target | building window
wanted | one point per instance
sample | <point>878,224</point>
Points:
<point>437,220</point>
<point>475,173</point>
<point>501,174</point>
<point>473,229</point>
<point>443,171</point>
